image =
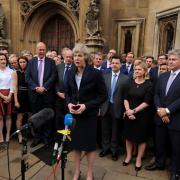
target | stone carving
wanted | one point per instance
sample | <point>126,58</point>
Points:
<point>26,7</point>
<point>3,40</point>
<point>74,6</point>
<point>92,21</point>
<point>2,23</point>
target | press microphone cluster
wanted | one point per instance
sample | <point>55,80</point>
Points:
<point>68,121</point>
<point>37,120</point>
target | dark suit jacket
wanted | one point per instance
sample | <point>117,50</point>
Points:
<point>48,79</point>
<point>104,68</point>
<point>120,89</point>
<point>170,101</point>
<point>153,74</point>
<point>124,70</point>
<point>60,87</point>
<point>92,91</point>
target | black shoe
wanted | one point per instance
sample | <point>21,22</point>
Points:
<point>153,167</point>
<point>175,177</point>
<point>35,143</point>
<point>114,156</point>
<point>103,153</point>
<point>126,163</point>
<point>138,168</point>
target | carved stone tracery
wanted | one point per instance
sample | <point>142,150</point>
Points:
<point>28,5</point>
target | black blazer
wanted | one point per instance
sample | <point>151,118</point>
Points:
<point>92,91</point>
<point>48,79</point>
<point>170,101</point>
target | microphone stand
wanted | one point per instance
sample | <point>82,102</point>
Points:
<point>62,154</point>
<point>24,164</point>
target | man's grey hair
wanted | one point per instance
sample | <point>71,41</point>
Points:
<point>174,52</point>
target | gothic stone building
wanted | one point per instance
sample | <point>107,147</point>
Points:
<point>145,27</point>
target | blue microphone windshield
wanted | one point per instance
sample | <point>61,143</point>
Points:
<point>68,120</point>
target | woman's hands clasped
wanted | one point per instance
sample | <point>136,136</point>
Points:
<point>76,109</point>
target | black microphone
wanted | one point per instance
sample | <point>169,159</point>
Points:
<point>37,120</point>
<point>68,120</point>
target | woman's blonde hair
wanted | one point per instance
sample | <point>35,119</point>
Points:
<point>144,66</point>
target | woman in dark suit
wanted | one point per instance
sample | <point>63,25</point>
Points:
<point>85,92</point>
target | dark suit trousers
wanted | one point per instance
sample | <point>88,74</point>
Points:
<point>45,131</point>
<point>162,136</point>
<point>110,130</point>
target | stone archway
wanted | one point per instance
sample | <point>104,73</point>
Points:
<point>37,19</point>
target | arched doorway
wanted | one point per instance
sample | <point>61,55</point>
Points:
<point>57,33</point>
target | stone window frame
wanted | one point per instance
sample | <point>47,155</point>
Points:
<point>139,24</point>
<point>164,14</point>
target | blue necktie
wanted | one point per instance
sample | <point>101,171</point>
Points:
<point>170,81</point>
<point>113,85</point>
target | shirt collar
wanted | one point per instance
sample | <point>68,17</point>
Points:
<point>176,72</point>
<point>39,59</point>
<point>117,73</point>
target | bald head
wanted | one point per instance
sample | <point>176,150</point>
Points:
<point>41,49</point>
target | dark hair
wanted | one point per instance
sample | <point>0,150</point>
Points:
<point>163,64</point>
<point>116,57</point>
<point>2,54</point>
<point>166,57</point>
<point>22,57</point>
<point>150,57</point>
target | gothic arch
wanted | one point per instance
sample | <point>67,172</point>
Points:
<point>36,19</point>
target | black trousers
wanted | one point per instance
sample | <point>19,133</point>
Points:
<point>110,131</point>
<point>162,135</point>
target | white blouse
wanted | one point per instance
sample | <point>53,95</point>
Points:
<point>6,79</point>
<point>78,80</point>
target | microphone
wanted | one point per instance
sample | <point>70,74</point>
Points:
<point>68,120</point>
<point>37,120</point>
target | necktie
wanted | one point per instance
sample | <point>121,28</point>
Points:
<point>170,81</point>
<point>66,73</point>
<point>128,66</point>
<point>40,69</point>
<point>113,85</point>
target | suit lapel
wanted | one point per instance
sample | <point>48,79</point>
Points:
<point>84,76</point>
<point>36,68</point>
<point>109,83</point>
<point>45,68</point>
<point>176,81</point>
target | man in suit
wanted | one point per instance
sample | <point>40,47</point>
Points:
<point>106,65</point>
<point>149,62</point>
<point>127,68</point>
<point>112,110</point>
<point>154,73</point>
<point>167,103</point>
<point>41,76</point>
<point>62,70</point>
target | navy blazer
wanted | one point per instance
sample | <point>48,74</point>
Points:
<point>92,91</point>
<point>104,68</point>
<point>170,101</point>
<point>153,74</point>
<point>124,70</point>
<point>48,79</point>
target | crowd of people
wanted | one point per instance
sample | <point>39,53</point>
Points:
<point>117,101</point>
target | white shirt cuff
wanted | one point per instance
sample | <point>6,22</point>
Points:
<point>167,110</point>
